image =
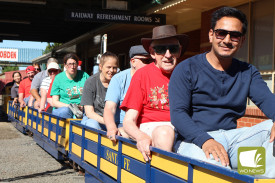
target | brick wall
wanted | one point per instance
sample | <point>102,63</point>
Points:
<point>253,115</point>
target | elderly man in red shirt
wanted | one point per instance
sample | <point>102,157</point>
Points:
<point>25,97</point>
<point>147,118</point>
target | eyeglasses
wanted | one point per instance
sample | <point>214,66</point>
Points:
<point>52,70</point>
<point>234,35</point>
<point>71,64</point>
<point>145,60</point>
<point>161,49</point>
<point>37,69</point>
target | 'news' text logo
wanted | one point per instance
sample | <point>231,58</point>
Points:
<point>251,160</point>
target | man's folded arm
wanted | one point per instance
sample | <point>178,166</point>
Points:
<point>180,89</point>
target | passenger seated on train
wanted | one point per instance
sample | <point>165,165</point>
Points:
<point>49,106</point>
<point>37,80</point>
<point>113,116</point>
<point>24,96</point>
<point>67,88</point>
<point>36,67</point>
<point>95,89</point>
<point>53,69</point>
<point>208,93</point>
<point>7,88</point>
<point>147,118</point>
<point>14,90</point>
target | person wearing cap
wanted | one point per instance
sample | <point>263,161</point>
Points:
<point>24,96</point>
<point>208,93</point>
<point>95,89</point>
<point>147,118</point>
<point>53,69</point>
<point>113,116</point>
<point>36,83</point>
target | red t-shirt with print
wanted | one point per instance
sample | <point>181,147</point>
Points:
<point>148,94</point>
<point>25,87</point>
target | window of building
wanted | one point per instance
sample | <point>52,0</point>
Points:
<point>242,54</point>
<point>262,18</point>
<point>258,48</point>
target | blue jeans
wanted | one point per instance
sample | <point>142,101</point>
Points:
<point>92,123</point>
<point>26,100</point>
<point>63,112</point>
<point>231,140</point>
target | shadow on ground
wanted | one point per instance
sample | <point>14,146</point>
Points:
<point>52,173</point>
<point>3,115</point>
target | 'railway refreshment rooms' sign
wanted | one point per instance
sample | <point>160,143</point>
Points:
<point>117,17</point>
<point>8,54</point>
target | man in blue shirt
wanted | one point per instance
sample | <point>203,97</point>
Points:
<point>113,116</point>
<point>208,93</point>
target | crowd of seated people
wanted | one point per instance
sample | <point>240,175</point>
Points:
<point>140,112</point>
<point>100,97</point>
<point>134,103</point>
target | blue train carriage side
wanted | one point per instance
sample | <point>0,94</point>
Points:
<point>50,132</point>
<point>122,162</point>
<point>105,161</point>
<point>18,116</point>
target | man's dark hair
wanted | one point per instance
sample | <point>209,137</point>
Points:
<point>229,12</point>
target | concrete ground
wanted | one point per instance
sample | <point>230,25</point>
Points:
<point>22,160</point>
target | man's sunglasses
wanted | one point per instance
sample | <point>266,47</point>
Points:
<point>234,35</point>
<point>52,70</point>
<point>37,69</point>
<point>161,49</point>
<point>145,60</point>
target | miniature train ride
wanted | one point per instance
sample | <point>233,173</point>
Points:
<point>105,161</point>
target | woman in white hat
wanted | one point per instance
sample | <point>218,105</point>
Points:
<point>53,69</point>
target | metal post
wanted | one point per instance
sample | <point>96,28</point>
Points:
<point>104,43</point>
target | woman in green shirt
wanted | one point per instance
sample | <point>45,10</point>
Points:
<point>68,87</point>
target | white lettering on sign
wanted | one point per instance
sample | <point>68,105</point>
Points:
<point>113,17</point>
<point>8,54</point>
<point>81,15</point>
<point>142,19</point>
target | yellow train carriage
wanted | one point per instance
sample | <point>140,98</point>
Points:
<point>105,161</point>
<point>50,132</point>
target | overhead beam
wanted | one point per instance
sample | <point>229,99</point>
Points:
<point>42,2</point>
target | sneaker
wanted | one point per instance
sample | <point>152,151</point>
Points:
<point>74,108</point>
